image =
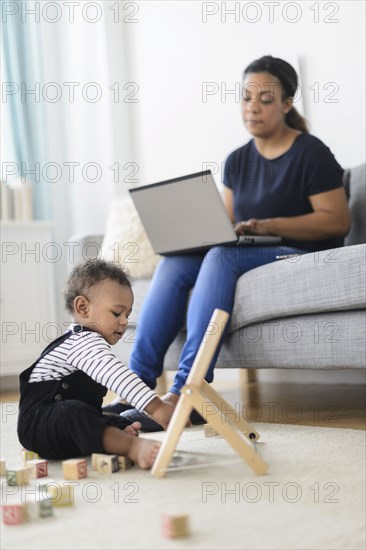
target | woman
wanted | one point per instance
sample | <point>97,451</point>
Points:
<point>283,182</point>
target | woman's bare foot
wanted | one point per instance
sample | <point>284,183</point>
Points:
<point>144,452</point>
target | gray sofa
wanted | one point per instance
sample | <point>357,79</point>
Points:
<point>306,312</point>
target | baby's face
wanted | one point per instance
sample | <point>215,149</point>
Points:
<point>108,308</point>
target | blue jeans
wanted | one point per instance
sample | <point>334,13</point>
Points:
<point>213,277</point>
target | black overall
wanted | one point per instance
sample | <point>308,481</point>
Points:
<point>60,419</point>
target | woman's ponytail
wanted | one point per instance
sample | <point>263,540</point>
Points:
<point>294,120</point>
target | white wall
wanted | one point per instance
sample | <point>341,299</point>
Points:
<point>173,53</point>
<point>80,130</point>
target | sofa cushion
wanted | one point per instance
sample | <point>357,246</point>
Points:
<point>329,280</point>
<point>125,240</point>
<point>321,341</point>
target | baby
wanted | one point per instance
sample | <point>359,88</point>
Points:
<point>60,413</point>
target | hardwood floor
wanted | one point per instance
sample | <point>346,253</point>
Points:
<point>9,397</point>
<point>337,406</point>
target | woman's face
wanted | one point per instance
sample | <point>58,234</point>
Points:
<point>262,105</point>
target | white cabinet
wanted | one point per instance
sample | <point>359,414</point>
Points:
<point>28,309</point>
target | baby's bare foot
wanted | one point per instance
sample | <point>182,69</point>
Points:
<point>144,452</point>
<point>133,429</point>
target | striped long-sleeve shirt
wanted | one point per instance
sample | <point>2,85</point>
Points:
<point>91,353</point>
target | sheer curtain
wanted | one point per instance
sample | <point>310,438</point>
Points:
<point>23,135</point>
<point>64,142</point>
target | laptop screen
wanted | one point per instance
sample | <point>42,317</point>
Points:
<point>183,214</point>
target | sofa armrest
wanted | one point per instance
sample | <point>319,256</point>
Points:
<point>83,246</point>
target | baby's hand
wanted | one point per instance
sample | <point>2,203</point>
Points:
<point>174,398</point>
<point>160,411</point>
<point>163,413</point>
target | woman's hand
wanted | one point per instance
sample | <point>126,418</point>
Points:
<point>253,227</point>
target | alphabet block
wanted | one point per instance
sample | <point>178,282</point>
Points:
<point>14,513</point>
<point>17,476</point>
<point>209,430</point>
<point>105,464</point>
<point>37,468</point>
<point>2,467</point>
<point>125,463</point>
<point>61,495</point>
<point>174,526</point>
<point>39,507</point>
<point>28,455</point>
<point>75,468</point>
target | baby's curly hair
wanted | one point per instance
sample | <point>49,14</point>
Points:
<point>88,274</point>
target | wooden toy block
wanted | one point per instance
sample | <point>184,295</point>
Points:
<point>75,468</point>
<point>39,507</point>
<point>209,430</point>
<point>174,526</point>
<point>28,455</point>
<point>14,513</point>
<point>37,468</point>
<point>17,476</point>
<point>125,463</point>
<point>61,495</point>
<point>94,459</point>
<point>2,467</point>
<point>105,464</point>
<point>44,481</point>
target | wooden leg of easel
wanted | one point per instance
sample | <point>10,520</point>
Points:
<point>176,426</point>
<point>225,408</point>
<point>192,395</point>
<point>224,427</point>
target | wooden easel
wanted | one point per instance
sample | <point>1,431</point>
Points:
<point>198,394</point>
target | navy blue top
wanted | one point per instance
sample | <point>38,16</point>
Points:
<point>280,187</point>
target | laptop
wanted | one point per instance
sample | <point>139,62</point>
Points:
<point>187,214</point>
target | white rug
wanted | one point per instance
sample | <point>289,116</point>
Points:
<point>312,498</point>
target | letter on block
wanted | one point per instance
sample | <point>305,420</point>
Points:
<point>209,430</point>
<point>105,464</point>
<point>75,468</point>
<point>17,476</point>
<point>175,526</point>
<point>37,468</point>
<point>28,455</point>
<point>14,513</point>
<point>61,495</point>
<point>39,507</point>
<point>125,463</point>
<point>2,467</point>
